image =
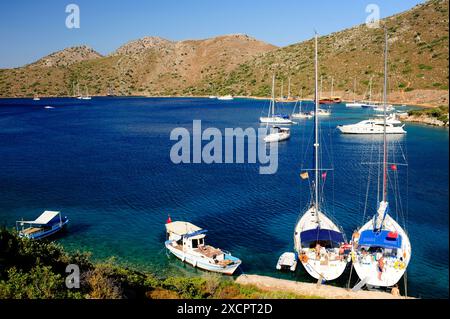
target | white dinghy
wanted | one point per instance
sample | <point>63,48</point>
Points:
<point>287,261</point>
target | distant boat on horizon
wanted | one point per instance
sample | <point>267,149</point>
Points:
<point>225,98</point>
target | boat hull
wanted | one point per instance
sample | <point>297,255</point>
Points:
<point>393,269</point>
<point>376,129</point>
<point>195,261</point>
<point>45,234</point>
<point>317,269</point>
<point>275,120</point>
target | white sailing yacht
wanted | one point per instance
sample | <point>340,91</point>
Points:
<point>272,118</point>
<point>354,103</point>
<point>369,103</point>
<point>317,240</point>
<point>381,248</point>
<point>300,114</point>
<point>81,96</point>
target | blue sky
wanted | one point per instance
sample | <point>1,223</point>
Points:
<point>31,29</point>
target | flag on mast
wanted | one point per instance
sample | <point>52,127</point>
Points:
<point>304,175</point>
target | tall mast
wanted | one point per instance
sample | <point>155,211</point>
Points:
<point>385,155</point>
<point>289,88</point>
<point>332,87</point>
<point>354,90</point>
<point>316,134</point>
<point>273,95</point>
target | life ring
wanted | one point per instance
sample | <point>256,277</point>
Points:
<point>304,258</point>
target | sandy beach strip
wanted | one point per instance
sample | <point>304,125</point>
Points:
<point>310,289</point>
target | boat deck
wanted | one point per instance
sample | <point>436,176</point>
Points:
<point>32,230</point>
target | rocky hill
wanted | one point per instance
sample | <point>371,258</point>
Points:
<point>148,66</point>
<point>240,65</point>
<point>418,61</point>
<point>67,57</point>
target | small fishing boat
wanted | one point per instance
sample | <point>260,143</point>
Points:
<point>225,98</point>
<point>213,97</point>
<point>187,242</point>
<point>287,261</point>
<point>36,98</point>
<point>278,134</point>
<point>49,223</point>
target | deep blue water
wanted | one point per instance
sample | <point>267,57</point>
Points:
<point>105,164</point>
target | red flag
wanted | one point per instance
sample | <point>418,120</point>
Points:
<point>324,175</point>
<point>169,220</point>
<point>393,167</point>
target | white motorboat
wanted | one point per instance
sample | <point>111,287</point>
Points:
<point>278,134</point>
<point>273,118</point>
<point>381,248</point>
<point>47,224</point>
<point>48,107</point>
<point>287,261</point>
<point>318,241</point>
<point>213,97</point>
<point>374,126</point>
<point>187,242</point>
<point>225,98</point>
<point>36,98</point>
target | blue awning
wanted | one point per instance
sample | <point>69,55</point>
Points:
<point>198,232</point>
<point>321,234</point>
<point>379,239</point>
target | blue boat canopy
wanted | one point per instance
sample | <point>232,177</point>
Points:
<point>379,239</point>
<point>321,234</point>
<point>195,233</point>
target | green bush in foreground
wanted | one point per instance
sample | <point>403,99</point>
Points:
<point>37,270</point>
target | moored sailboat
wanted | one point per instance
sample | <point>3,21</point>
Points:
<point>273,118</point>
<point>318,241</point>
<point>381,248</point>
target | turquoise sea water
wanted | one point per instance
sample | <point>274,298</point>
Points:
<point>105,164</point>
